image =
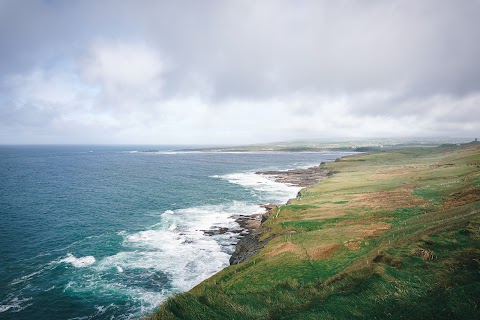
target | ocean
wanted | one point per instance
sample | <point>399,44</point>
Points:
<point>101,232</point>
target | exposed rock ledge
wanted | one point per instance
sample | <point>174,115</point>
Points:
<point>250,243</point>
<point>299,177</point>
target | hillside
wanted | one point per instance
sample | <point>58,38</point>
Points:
<point>390,234</point>
<point>362,145</point>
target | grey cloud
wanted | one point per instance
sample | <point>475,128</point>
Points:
<point>372,59</point>
<point>335,48</point>
<point>247,48</point>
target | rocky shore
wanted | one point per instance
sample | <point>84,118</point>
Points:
<point>299,177</point>
<point>250,242</point>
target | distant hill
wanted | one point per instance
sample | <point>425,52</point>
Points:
<point>361,145</point>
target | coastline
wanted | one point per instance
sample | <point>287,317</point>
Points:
<point>251,241</point>
<point>384,225</point>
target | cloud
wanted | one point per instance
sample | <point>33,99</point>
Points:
<point>123,70</point>
<point>237,71</point>
<point>39,93</point>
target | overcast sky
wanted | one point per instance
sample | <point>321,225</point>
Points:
<point>232,72</point>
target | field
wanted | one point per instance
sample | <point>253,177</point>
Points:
<point>390,234</point>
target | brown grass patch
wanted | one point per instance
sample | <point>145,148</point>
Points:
<point>360,221</point>
<point>287,247</point>
<point>353,245</point>
<point>399,198</point>
<point>326,212</point>
<point>423,253</point>
<point>463,197</point>
<point>323,251</point>
<point>359,232</point>
<point>364,231</point>
<point>374,228</point>
<point>389,175</point>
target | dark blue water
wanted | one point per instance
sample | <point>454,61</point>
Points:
<point>94,232</point>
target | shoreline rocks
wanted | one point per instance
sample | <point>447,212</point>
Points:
<point>299,177</point>
<point>250,244</point>
<point>251,229</point>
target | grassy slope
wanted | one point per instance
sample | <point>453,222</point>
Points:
<point>394,233</point>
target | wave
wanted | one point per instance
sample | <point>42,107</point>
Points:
<point>179,245</point>
<point>166,258</point>
<point>79,262</point>
<point>264,187</point>
<point>14,304</point>
<point>27,277</point>
<point>42,269</point>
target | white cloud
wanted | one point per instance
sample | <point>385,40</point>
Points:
<point>193,119</point>
<point>127,73</point>
<point>43,90</point>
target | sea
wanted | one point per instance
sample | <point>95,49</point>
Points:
<point>109,232</point>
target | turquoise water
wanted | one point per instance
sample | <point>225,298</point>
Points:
<point>100,232</point>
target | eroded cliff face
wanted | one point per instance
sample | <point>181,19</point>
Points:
<point>250,243</point>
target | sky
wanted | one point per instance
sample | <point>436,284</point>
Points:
<point>237,72</point>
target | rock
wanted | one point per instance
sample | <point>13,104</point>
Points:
<point>298,177</point>
<point>216,231</point>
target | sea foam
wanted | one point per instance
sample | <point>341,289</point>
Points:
<point>171,256</point>
<point>265,187</point>
<point>79,262</point>
<point>15,304</point>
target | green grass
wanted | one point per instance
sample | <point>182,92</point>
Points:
<point>476,181</point>
<point>427,193</point>
<point>390,235</point>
